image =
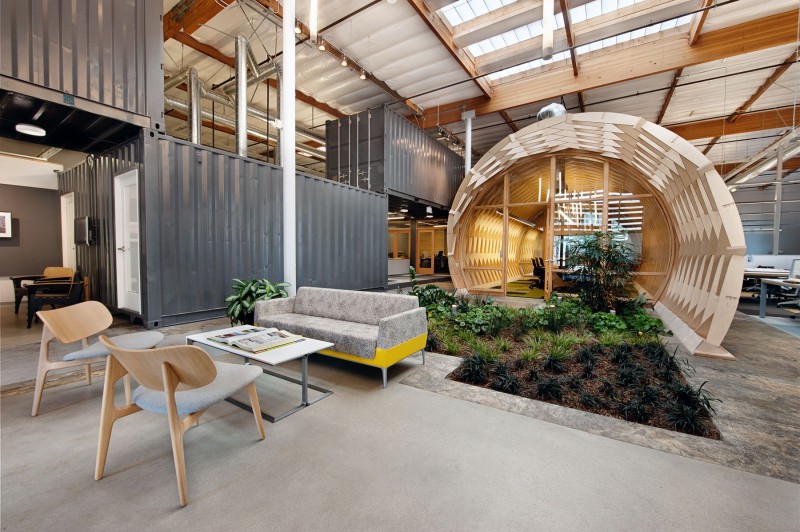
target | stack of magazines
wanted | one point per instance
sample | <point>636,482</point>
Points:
<point>256,339</point>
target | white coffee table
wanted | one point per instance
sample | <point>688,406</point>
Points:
<point>272,357</point>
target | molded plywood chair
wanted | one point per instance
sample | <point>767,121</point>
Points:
<point>51,274</point>
<point>79,322</point>
<point>60,293</point>
<point>177,381</point>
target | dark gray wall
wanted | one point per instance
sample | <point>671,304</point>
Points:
<point>341,235</point>
<point>35,228</point>
<point>104,51</point>
<point>382,151</point>
<point>757,210</point>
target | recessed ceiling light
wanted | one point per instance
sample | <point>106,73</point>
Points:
<point>403,209</point>
<point>29,129</point>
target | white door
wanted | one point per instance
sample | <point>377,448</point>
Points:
<point>68,255</point>
<point>126,233</point>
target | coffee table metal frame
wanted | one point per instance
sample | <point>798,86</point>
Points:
<point>272,357</point>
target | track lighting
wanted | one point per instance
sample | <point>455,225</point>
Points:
<point>363,75</point>
<point>297,28</point>
<point>428,212</point>
<point>404,208</point>
<point>321,45</point>
<point>344,61</point>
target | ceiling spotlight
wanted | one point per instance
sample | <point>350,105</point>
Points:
<point>344,61</point>
<point>363,75</point>
<point>428,212</point>
<point>29,129</point>
<point>404,208</point>
<point>321,44</point>
<point>391,1</point>
<point>297,28</point>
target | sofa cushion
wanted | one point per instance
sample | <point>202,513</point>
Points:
<point>358,339</point>
<point>351,305</point>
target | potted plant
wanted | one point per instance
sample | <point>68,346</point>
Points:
<point>241,305</point>
<point>605,265</point>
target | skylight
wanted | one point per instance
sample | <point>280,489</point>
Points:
<point>465,10</point>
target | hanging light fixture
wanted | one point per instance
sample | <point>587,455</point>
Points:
<point>428,212</point>
<point>344,60</point>
<point>297,28</point>
<point>30,129</point>
<point>363,74</point>
<point>404,208</point>
<point>321,45</point>
<point>548,23</point>
<point>312,21</point>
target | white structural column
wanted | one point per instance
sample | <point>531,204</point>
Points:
<point>776,218</point>
<point>467,117</point>
<point>287,149</point>
<point>241,95</point>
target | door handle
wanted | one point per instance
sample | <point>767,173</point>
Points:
<point>121,248</point>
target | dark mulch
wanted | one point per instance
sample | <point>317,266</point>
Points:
<point>600,392</point>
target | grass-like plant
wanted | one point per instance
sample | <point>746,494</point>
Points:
<point>685,394</point>
<point>588,370</point>
<point>635,410</point>
<point>622,353</point>
<point>483,348</point>
<point>451,346</point>
<point>533,375</point>
<point>610,338</point>
<point>530,354</point>
<point>631,375</point>
<point>502,345</point>
<point>608,389</point>
<point>550,388</point>
<point>505,381</point>
<point>588,354</point>
<point>591,401</point>
<point>473,369</point>
<point>686,418</point>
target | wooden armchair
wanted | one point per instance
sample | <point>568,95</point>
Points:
<point>56,293</point>
<point>51,274</point>
<point>177,381</point>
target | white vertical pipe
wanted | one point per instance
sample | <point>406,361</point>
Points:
<point>467,116</point>
<point>195,107</point>
<point>287,149</point>
<point>241,95</point>
<point>548,26</point>
<point>312,21</point>
<point>776,217</point>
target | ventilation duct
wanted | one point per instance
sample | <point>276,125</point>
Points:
<point>551,110</point>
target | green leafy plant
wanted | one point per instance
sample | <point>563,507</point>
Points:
<point>561,313</point>
<point>483,319</point>
<point>643,323</point>
<point>522,321</point>
<point>240,306</point>
<point>601,322</point>
<point>605,263</point>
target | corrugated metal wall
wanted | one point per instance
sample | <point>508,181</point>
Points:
<point>341,235</point>
<point>105,51</point>
<point>220,218</point>
<point>382,151</point>
<point>417,165</point>
<point>94,197</point>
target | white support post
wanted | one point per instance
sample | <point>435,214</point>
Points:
<point>467,116</point>
<point>287,149</point>
<point>776,218</point>
<point>241,95</point>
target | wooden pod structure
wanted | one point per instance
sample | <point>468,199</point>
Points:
<point>692,241</point>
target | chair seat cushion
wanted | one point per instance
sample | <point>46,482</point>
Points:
<point>358,339</point>
<point>230,379</point>
<point>137,340</point>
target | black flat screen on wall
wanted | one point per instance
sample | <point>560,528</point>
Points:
<point>83,231</point>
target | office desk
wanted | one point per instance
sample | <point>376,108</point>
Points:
<point>762,304</point>
<point>765,273</point>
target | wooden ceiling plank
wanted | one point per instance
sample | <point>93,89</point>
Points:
<point>756,121</point>
<point>212,52</point>
<point>763,88</point>
<point>442,32</point>
<point>698,19</point>
<point>189,15</point>
<point>668,98</point>
<point>615,66</point>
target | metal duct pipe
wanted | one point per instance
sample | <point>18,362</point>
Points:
<point>225,121</point>
<point>259,76</point>
<point>176,80</point>
<point>467,116</point>
<point>241,95</point>
<point>251,60</point>
<point>193,93</point>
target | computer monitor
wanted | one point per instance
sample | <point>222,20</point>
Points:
<point>794,272</point>
<point>83,231</point>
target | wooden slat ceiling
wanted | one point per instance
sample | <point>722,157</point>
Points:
<point>728,68</point>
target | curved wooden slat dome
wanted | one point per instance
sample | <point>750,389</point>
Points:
<point>704,277</point>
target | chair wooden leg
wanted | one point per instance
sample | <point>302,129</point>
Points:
<point>109,413</point>
<point>88,374</point>
<point>175,429</point>
<point>38,389</point>
<point>254,404</point>
<point>126,382</point>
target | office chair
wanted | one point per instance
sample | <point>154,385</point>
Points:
<point>794,273</point>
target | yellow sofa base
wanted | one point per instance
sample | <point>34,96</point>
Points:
<point>385,357</point>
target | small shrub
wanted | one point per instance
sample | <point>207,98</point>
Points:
<point>483,349</point>
<point>533,375</point>
<point>530,354</point>
<point>683,393</point>
<point>686,418</point>
<point>522,322</point>
<point>603,322</point>
<point>591,401</point>
<point>549,388</point>
<point>451,346</point>
<point>588,370</point>
<point>502,345</point>
<point>635,410</point>
<point>622,353</point>
<point>610,338</point>
<point>573,382</point>
<point>649,395</point>
<point>587,354</point>
<point>483,319</point>
<point>473,370</point>
<point>630,374</point>
<point>561,313</point>
<point>433,343</point>
<point>505,381</point>
<point>608,389</point>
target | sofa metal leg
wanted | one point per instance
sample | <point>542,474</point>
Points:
<point>423,357</point>
<point>384,376</point>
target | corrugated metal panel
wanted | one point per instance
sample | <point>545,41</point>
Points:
<point>418,166</point>
<point>99,50</point>
<point>93,188</point>
<point>355,150</point>
<point>220,218</point>
<point>341,235</point>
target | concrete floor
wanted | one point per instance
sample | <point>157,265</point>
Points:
<point>364,458</point>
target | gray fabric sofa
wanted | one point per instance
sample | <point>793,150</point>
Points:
<point>369,328</point>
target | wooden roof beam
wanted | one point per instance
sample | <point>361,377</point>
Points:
<point>668,98</point>
<point>763,88</point>
<point>212,52</point>
<point>514,127</point>
<point>711,144</point>
<point>594,29</point>
<point>570,36</point>
<point>783,117</point>
<point>789,166</point>
<point>616,65</point>
<point>698,19</point>
<point>189,15</point>
<point>440,29</point>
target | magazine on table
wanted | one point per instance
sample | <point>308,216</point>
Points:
<point>256,339</point>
